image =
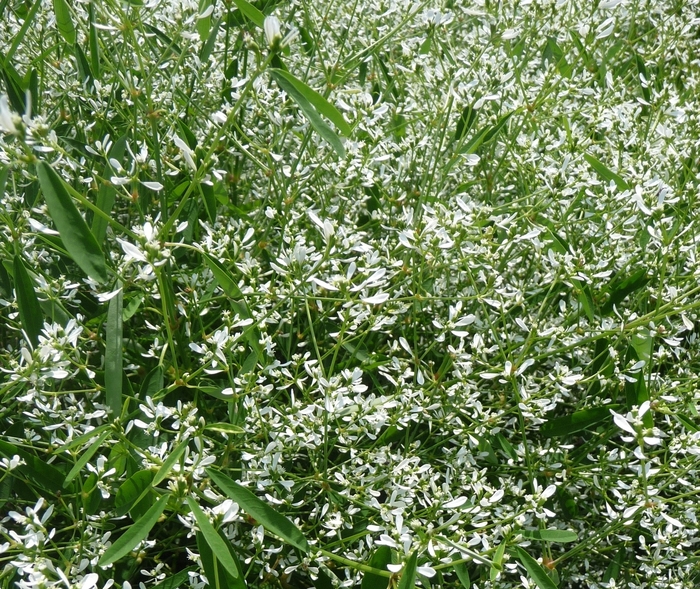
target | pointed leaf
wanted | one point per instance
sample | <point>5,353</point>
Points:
<point>64,21</point>
<point>135,534</point>
<point>76,236</point>
<point>46,476</point>
<point>217,575</point>
<point>260,511</point>
<point>132,491</point>
<point>310,113</point>
<point>225,428</point>
<point>577,421</point>
<point>229,286</point>
<point>561,536</point>
<point>113,355</point>
<point>536,572</point>
<point>217,545</point>
<point>379,560</point>
<point>252,13</point>
<point>463,575</point>
<point>85,457</point>
<point>169,462</point>
<point>408,575</point>
<point>176,580</point>
<point>30,314</point>
<point>317,100</point>
<point>606,173</point>
<point>496,563</point>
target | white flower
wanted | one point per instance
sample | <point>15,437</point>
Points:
<point>273,34</point>
<point>7,117</point>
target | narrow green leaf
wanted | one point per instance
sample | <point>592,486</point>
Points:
<point>606,173</point>
<point>135,534</point>
<point>317,100</point>
<point>465,122</point>
<point>310,113</point>
<point>260,511</point>
<point>577,421</point>
<point>463,575</point>
<point>208,47</point>
<point>496,563</point>
<point>76,236</point>
<point>217,575</point>
<point>229,286</point>
<point>107,193</point>
<point>536,572</point>
<point>170,461</point>
<point>585,299</point>
<point>94,43</point>
<point>132,491</point>
<point>84,438</point>
<point>615,566</point>
<point>408,575</point>
<point>30,314</point>
<point>85,457</point>
<point>252,13</point>
<point>225,428</point>
<point>113,355</point>
<point>561,536</point>
<point>48,477</point>
<point>213,539</point>
<point>379,560</point>
<point>486,135</point>
<point>204,24</point>
<point>64,22</point>
<point>176,580</point>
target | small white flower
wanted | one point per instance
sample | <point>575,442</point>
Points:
<point>273,34</point>
<point>7,117</point>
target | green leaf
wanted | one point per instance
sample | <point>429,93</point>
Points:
<point>536,572</point>
<point>204,24</point>
<point>465,122</point>
<point>463,575</point>
<point>606,173</point>
<point>85,457</point>
<point>408,575</point>
<point>317,100</point>
<point>615,566</point>
<point>585,299</point>
<point>48,477</point>
<point>561,536</point>
<point>77,239</point>
<point>135,534</point>
<point>169,462</point>
<point>252,13</point>
<point>642,342</point>
<point>113,355</point>
<point>496,563</point>
<point>621,287</point>
<point>64,22</point>
<point>30,314</point>
<point>260,511</point>
<point>215,542</point>
<point>176,580</point>
<point>132,491</point>
<point>217,575</point>
<point>486,135</point>
<point>310,113</point>
<point>379,560</point>
<point>225,428</point>
<point>94,42</point>
<point>577,421</point>
<point>229,286</point>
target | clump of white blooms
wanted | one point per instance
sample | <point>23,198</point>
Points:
<point>420,278</point>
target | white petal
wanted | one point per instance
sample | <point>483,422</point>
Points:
<point>622,423</point>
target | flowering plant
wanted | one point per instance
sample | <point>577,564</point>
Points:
<point>354,294</point>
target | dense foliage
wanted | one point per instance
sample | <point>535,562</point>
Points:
<point>350,293</point>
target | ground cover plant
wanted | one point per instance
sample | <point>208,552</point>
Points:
<point>361,293</point>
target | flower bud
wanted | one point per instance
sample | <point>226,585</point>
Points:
<point>273,35</point>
